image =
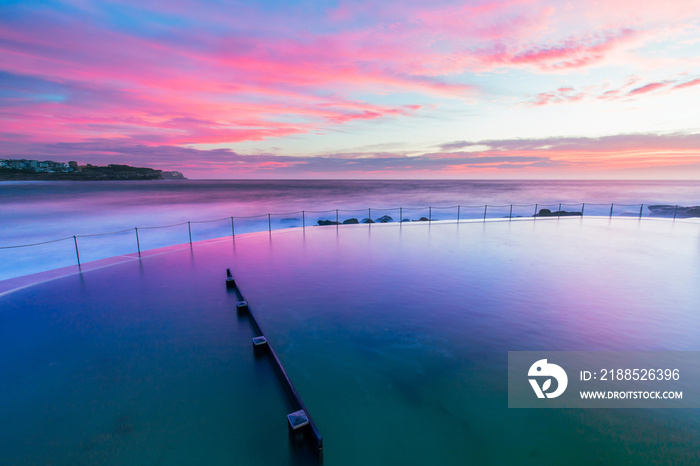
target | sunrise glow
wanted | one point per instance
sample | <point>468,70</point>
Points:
<point>356,89</point>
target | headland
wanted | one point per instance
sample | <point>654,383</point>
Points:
<point>48,170</point>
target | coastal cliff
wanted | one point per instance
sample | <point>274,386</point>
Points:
<point>89,173</point>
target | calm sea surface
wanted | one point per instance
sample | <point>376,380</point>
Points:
<point>35,212</point>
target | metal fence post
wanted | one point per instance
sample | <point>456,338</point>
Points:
<point>336,217</point>
<point>430,214</point>
<point>583,206</point>
<point>400,214</point>
<point>369,215</point>
<point>536,205</point>
<point>138,244</point>
<point>77,253</point>
<point>458,209</point>
<point>674,213</point>
<point>233,231</point>
<point>485,206</point>
<point>559,214</point>
<point>303,220</point>
<point>641,207</point>
<point>611,209</point>
<point>269,223</point>
<point>189,228</point>
<point>510,215</point>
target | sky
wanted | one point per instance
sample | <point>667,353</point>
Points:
<point>518,89</point>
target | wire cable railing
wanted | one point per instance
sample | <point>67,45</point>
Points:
<point>458,213</point>
<point>36,244</point>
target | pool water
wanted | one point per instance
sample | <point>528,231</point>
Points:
<point>396,337</point>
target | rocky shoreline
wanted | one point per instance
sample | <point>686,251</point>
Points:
<point>671,211</point>
<point>666,211</point>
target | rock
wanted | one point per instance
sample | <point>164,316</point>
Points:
<point>328,222</point>
<point>423,219</point>
<point>556,213</point>
<point>689,212</point>
<point>669,210</point>
<point>350,221</point>
<point>368,220</point>
<point>385,219</point>
<point>405,220</point>
<point>662,210</point>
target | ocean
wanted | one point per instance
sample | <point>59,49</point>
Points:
<point>37,212</point>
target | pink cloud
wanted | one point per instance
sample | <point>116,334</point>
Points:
<point>688,84</point>
<point>649,11</point>
<point>156,91</point>
<point>547,155</point>
<point>183,72</point>
<point>647,88</point>
<point>572,53</point>
<point>272,165</point>
<point>602,92</point>
<point>562,95</point>
<point>490,20</point>
<point>609,95</point>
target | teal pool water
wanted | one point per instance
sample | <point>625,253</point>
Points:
<point>395,336</point>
